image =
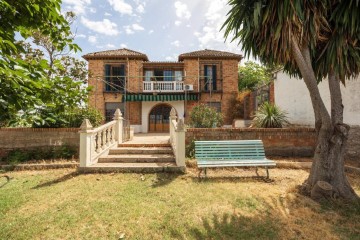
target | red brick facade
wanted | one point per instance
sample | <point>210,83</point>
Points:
<point>193,74</point>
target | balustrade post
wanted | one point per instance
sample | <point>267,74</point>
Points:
<point>85,143</point>
<point>118,126</point>
<point>180,143</point>
<point>171,118</point>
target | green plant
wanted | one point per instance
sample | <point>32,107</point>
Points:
<point>203,116</point>
<point>270,116</point>
<point>252,75</point>
<point>190,149</point>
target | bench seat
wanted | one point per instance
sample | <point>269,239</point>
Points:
<point>233,153</point>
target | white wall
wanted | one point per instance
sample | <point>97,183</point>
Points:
<point>292,95</point>
<point>147,106</point>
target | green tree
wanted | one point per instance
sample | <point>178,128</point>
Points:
<point>252,75</point>
<point>24,80</point>
<point>313,40</point>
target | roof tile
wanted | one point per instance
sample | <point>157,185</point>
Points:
<point>118,53</point>
<point>207,53</point>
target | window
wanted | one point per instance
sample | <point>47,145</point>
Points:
<point>168,75</point>
<point>178,76</point>
<point>148,75</point>
<point>210,77</point>
<point>110,108</point>
<point>159,74</point>
<point>114,78</point>
<point>215,105</point>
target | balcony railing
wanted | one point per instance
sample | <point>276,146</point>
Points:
<point>163,86</point>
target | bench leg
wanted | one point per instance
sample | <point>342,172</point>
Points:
<point>205,172</point>
<point>256,171</point>
<point>200,171</point>
<point>267,173</point>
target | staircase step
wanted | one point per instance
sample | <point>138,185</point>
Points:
<point>146,145</point>
<point>134,167</point>
<point>141,150</point>
<point>143,158</point>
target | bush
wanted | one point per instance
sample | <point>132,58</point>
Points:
<point>68,118</point>
<point>203,116</point>
<point>190,149</point>
<point>269,116</point>
<point>23,155</point>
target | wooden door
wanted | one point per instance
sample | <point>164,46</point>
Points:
<point>159,118</point>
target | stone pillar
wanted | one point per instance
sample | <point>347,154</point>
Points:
<point>85,143</point>
<point>180,143</point>
<point>118,126</point>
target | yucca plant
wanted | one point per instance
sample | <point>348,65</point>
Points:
<point>270,116</point>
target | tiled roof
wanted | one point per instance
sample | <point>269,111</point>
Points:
<point>117,53</point>
<point>207,53</point>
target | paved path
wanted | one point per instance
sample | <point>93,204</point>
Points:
<point>149,138</point>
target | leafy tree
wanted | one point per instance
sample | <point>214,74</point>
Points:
<point>203,116</point>
<point>313,40</point>
<point>269,116</point>
<point>25,84</point>
<point>252,75</point>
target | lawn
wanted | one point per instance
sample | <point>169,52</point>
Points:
<point>60,204</point>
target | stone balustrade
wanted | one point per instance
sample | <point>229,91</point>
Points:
<point>177,138</point>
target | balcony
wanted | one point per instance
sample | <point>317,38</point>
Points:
<point>163,86</point>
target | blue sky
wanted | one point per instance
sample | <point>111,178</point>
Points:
<point>162,29</point>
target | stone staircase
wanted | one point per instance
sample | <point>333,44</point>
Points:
<point>137,157</point>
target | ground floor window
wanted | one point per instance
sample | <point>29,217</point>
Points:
<point>159,118</point>
<point>110,108</point>
<point>215,105</point>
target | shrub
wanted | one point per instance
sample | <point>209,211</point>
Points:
<point>190,149</point>
<point>68,118</point>
<point>203,116</point>
<point>56,152</point>
<point>269,116</point>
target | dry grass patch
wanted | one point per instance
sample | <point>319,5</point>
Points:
<point>230,204</point>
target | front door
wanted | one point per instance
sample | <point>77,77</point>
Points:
<point>159,118</point>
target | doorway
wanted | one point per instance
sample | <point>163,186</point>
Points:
<point>159,118</point>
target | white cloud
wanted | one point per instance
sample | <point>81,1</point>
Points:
<point>140,8</point>
<point>182,10</point>
<point>177,23</point>
<point>169,58</point>
<point>123,45</point>
<point>151,31</point>
<point>176,43</point>
<point>107,14</point>
<point>80,36</point>
<point>121,6</point>
<point>131,29</point>
<point>137,27</point>
<point>92,10</point>
<point>77,6</point>
<point>92,39</point>
<point>105,26</point>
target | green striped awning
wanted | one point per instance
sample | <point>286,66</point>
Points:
<point>166,97</point>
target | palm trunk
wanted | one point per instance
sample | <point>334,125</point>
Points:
<point>328,162</point>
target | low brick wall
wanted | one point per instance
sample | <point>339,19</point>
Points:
<point>292,142</point>
<point>353,145</point>
<point>30,138</point>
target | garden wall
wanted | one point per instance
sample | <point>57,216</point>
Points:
<point>30,138</point>
<point>294,142</point>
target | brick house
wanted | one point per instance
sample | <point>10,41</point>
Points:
<point>145,91</point>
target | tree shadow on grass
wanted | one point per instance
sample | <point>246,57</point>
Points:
<point>63,178</point>
<point>163,179</point>
<point>233,179</point>
<point>232,226</point>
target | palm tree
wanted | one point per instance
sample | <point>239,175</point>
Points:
<point>313,40</point>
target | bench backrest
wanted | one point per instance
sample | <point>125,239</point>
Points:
<point>231,149</point>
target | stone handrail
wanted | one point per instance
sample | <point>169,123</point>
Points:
<point>95,142</point>
<point>163,86</point>
<point>177,138</point>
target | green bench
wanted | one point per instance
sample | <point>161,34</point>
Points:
<point>234,153</point>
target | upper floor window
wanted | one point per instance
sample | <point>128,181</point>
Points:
<point>168,75</point>
<point>178,76</point>
<point>210,77</point>
<point>114,77</point>
<point>148,75</point>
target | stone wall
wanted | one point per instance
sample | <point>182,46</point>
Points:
<point>292,142</point>
<point>353,146</point>
<point>30,138</point>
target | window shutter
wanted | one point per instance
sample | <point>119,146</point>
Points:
<point>107,77</point>
<point>214,77</point>
<point>206,78</point>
